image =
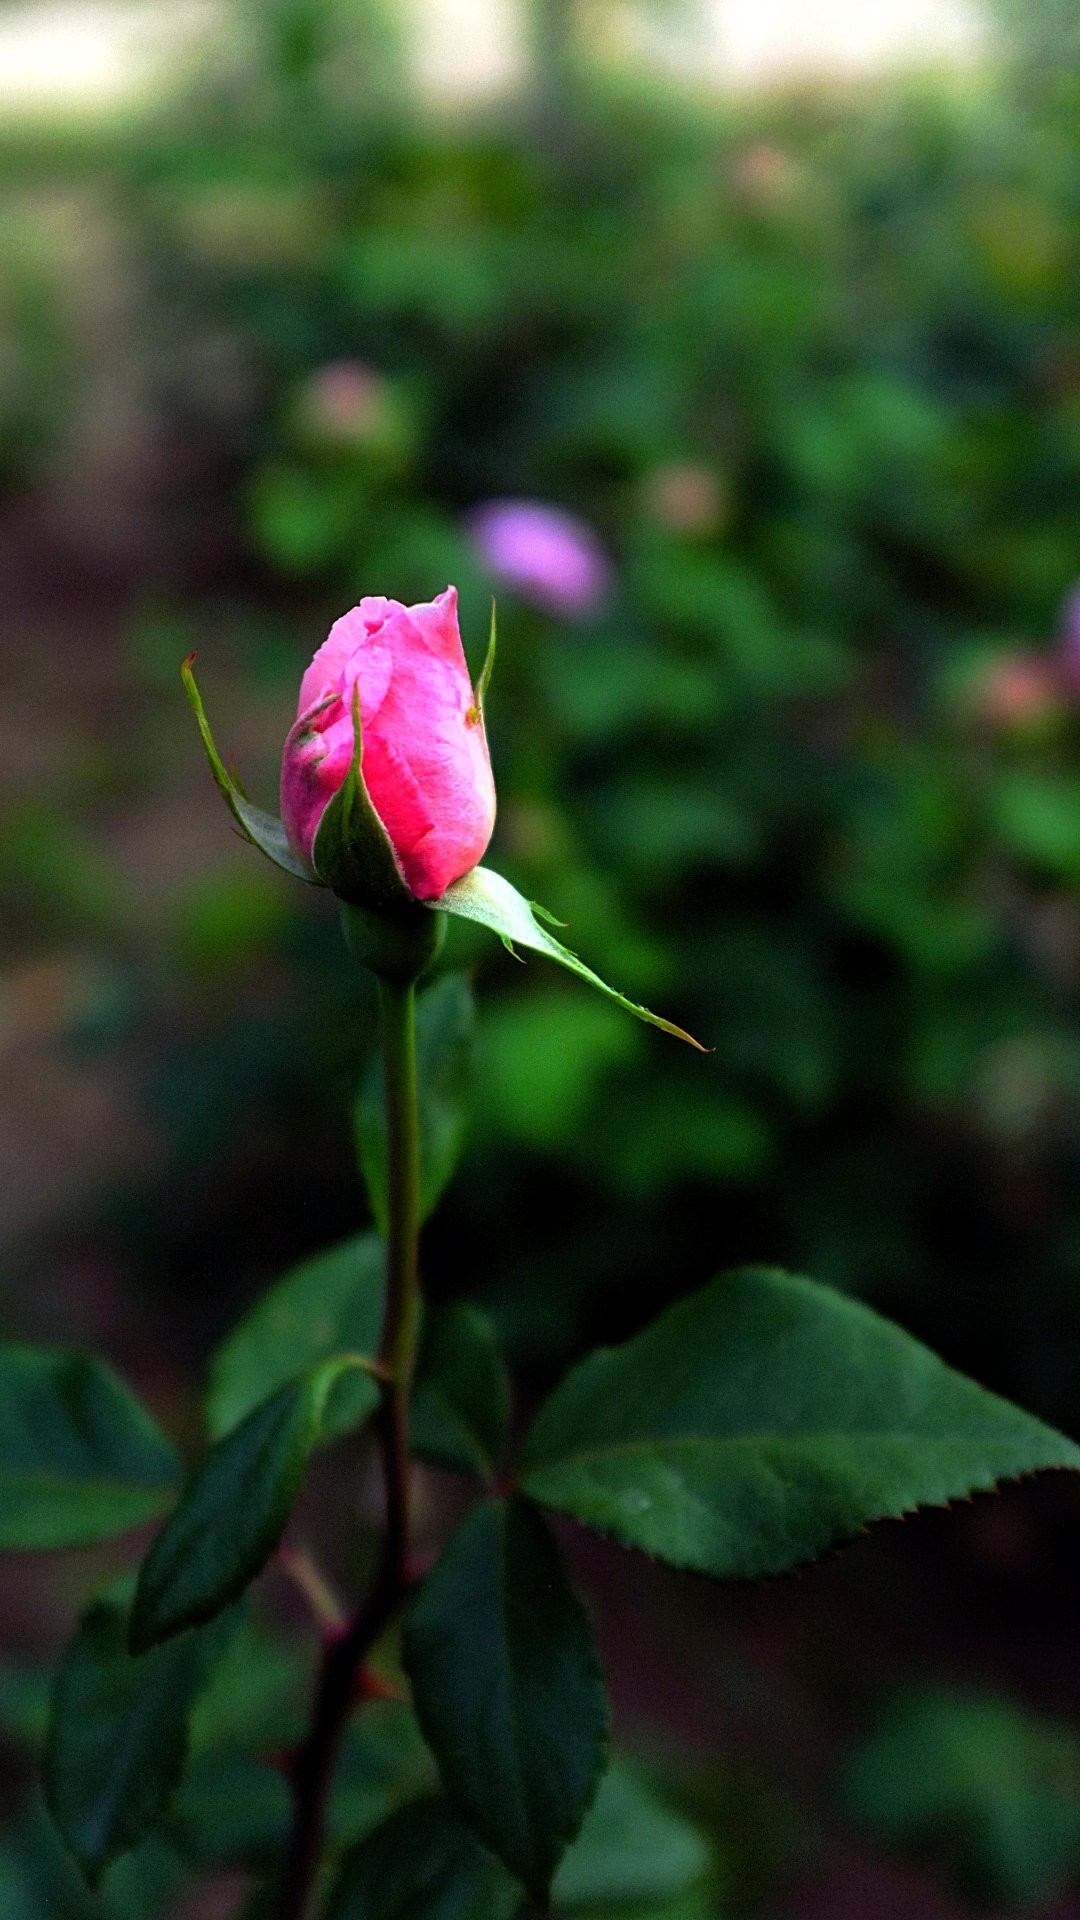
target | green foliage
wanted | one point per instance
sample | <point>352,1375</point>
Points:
<point>761,1421</point>
<point>235,1509</point>
<point>445,1021</point>
<point>423,1862</point>
<point>119,1734</point>
<point>329,1304</point>
<point>80,1459</point>
<point>978,1784</point>
<point>633,1850</point>
<point>508,1689</point>
<point>461,1401</point>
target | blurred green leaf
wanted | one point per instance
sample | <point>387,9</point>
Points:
<point>541,1062</point>
<point>119,1733</point>
<point>445,1021</point>
<point>977,1783</point>
<point>80,1458</point>
<point>461,1400</point>
<point>508,1689</point>
<point>330,1303</point>
<point>423,1861</point>
<point>230,1810</point>
<point>761,1421</point>
<point>632,1850</point>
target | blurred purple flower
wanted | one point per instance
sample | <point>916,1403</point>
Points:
<point>549,556</point>
<point>1068,643</point>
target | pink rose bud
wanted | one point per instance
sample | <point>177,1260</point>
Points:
<point>424,766</point>
<point>548,556</point>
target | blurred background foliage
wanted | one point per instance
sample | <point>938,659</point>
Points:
<point>799,769</point>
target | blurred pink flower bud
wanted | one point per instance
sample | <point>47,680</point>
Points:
<point>1018,691</point>
<point>547,555</point>
<point>344,402</point>
<point>685,498</point>
<point>425,763</point>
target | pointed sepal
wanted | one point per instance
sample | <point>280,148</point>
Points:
<point>492,902</point>
<point>263,830</point>
<point>352,850</point>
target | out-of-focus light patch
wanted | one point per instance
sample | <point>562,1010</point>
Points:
<point>763,42</point>
<point>467,48</point>
<point>74,56</point>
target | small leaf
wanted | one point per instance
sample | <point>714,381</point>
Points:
<point>119,1733</point>
<point>445,1021</point>
<point>422,1864</point>
<point>80,1458</point>
<point>763,1420</point>
<point>263,830</point>
<point>235,1509</point>
<point>508,1689</point>
<point>331,1303</point>
<point>632,1849</point>
<point>492,902</point>
<point>461,1404</point>
<point>352,850</point>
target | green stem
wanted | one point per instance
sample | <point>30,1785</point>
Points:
<point>397,1348</point>
<point>343,1659</point>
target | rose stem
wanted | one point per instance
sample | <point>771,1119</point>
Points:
<point>343,1658</point>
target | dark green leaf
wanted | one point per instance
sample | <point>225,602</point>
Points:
<point>80,1458</point>
<point>462,1400</point>
<point>763,1419</point>
<point>40,1881</point>
<point>234,1511</point>
<point>329,1304</point>
<point>423,1864</point>
<point>119,1733</point>
<point>492,902</point>
<point>508,1688</point>
<point>444,1034</point>
<point>632,1849</point>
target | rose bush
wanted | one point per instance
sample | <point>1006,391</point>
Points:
<point>424,751</point>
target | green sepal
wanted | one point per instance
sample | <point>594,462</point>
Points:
<point>486,670</point>
<point>484,896</point>
<point>236,1507</point>
<point>263,830</point>
<point>351,850</point>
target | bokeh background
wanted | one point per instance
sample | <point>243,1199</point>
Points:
<point>778,305</point>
